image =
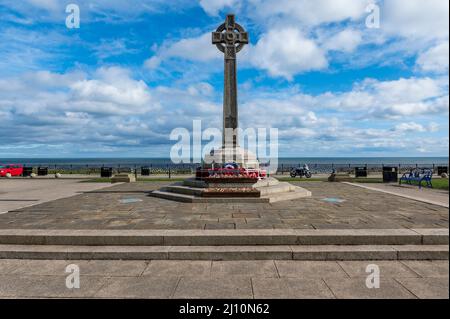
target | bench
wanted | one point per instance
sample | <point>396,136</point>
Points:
<point>418,177</point>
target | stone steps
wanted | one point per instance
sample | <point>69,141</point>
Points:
<point>293,194</point>
<point>185,190</point>
<point>282,187</point>
<point>197,199</point>
<point>225,237</point>
<point>327,252</point>
<point>271,191</point>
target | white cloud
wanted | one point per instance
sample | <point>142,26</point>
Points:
<point>435,59</point>
<point>347,41</point>
<point>395,99</point>
<point>309,12</point>
<point>416,19</point>
<point>287,52</point>
<point>112,91</point>
<point>410,127</point>
<point>413,127</point>
<point>282,53</point>
<point>212,7</point>
<point>197,49</point>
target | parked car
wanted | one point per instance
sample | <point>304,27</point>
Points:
<point>9,170</point>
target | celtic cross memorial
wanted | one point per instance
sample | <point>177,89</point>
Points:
<point>230,38</point>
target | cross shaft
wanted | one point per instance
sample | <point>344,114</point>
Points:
<point>230,38</point>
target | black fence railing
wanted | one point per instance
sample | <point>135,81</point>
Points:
<point>185,169</point>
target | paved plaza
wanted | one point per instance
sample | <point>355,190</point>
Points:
<point>21,192</point>
<point>224,279</point>
<point>333,207</point>
<point>128,206</point>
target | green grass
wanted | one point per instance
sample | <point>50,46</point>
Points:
<point>438,183</point>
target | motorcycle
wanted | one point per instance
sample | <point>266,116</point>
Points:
<point>301,171</point>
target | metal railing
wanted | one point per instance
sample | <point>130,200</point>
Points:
<point>188,169</point>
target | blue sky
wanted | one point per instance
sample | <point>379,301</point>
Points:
<point>135,70</point>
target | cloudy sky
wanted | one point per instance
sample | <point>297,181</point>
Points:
<point>135,70</point>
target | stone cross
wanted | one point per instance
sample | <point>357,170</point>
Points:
<point>230,38</point>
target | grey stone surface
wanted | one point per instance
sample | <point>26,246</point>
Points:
<point>115,268</point>
<point>434,236</point>
<point>355,288</point>
<point>138,287</point>
<point>427,288</point>
<point>309,269</point>
<point>431,196</point>
<point>362,209</point>
<point>388,269</point>
<point>36,267</point>
<point>220,236</point>
<point>248,268</point>
<point>344,253</point>
<point>330,252</point>
<point>213,288</point>
<point>432,268</point>
<point>230,38</point>
<point>178,268</point>
<point>230,252</point>
<point>290,288</point>
<point>38,191</point>
<point>424,252</point>
<point>47,286</point>
<point>234,279</point>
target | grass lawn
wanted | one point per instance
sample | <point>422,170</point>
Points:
<point>438,183</point>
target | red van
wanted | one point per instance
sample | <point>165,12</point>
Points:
<point>8,170</point>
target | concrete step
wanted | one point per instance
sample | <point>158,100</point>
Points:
<point>386,252</point>
<point>186,190</point>
<point>281,187</point>
<point>296,193</point>
<point>225,237</point>
<point>173,196</point>
<point>197,199</point>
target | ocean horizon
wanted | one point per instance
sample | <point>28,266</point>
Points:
<point>123,161</point>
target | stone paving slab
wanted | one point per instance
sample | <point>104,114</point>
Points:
<point>291,288</point>
<point>355,288</point>
<point>434,268</point>
<point>19,286</point>
<point>309,269</point>
<point>426,195</point>
<point>249,268</point>
<point>128,206</point>
<point>426,288</point>
<point>214,288</point>
<point>178,268</point>
<point>213,279</point>
<point>138,287</point>
<point>19,193</point>
<point>355,269</point>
